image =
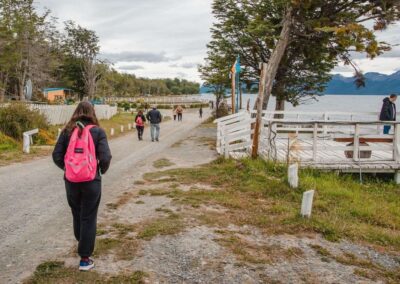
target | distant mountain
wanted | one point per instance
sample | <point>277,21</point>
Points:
<point>375,84</point>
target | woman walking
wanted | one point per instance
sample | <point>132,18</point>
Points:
<point>83,153</point>
<point>140,120</point>
<point>179,111</point>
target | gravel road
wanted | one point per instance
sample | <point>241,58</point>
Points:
<point>35,221</point>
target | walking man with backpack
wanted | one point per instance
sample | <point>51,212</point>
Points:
<point>82,152</point>
<point>155,118</point>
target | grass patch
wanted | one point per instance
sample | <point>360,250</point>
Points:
<point>171,225</point>
<point>162,163</point>
<point>256,193</point>
<point>256,254</point>
<point>57,272</point>
<point>116,122</point>
<point>139,202</point>
<point>104,246</point>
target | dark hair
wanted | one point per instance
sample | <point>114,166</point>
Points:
<point>84,111</point>
<point>392,96</point>
<point>140,112</point>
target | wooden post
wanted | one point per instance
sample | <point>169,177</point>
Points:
<point>233,92</point>
<point>315,142</point>
<point>356,148</point>
<point>324,127</point>
<point>396,143</point>
<point>268,74</point>
<point>261,91</point>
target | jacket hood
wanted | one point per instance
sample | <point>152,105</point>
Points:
<point>386,100</point>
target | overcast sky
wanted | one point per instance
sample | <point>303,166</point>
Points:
<point>167,38</point>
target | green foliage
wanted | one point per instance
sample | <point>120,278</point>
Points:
<point>7,143</point>
<point>116,84</point>
<point>18,118</point>
<point>318,41</point>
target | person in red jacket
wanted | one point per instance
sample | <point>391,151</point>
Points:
<point>140,120</point>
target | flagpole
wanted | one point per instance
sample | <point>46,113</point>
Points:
<point>233,92</point>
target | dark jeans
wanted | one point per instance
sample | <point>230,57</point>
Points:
<point>174,116</point>
<point>140,130</point>
<point>84,200</point>
<point>179,117</point>
<point>386,129</point>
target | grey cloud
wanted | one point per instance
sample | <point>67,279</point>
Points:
<point>138,56</point>
<point>130,67</point>
<point>185,65</point>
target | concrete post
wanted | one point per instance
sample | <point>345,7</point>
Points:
<point>122,128</point>
<point>112,132</point>
<point>306,204</point>
<point>293,175</point>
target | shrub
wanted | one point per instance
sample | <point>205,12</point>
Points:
<point>44,137</point>
<point>7,143</point>
<point>17,118</point>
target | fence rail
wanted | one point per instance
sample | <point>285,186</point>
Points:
<point>320,141</point>
<point>60,114</point>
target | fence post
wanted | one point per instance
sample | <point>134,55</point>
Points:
<point>122,128</point>
<point>356,144</point>
<point>396,143</point>
<point>27,140</point>
<point>306,204</point>
<point>293,175</point>
<point>112,132</point>
<point>315,141</point>
<point>324,127</point>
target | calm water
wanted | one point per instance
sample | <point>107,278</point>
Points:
<point>352,103</point>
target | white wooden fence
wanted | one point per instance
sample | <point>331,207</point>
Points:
<point>60,114</point>
<point>334,140</point>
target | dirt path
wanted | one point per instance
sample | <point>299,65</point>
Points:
<point>35,221</point>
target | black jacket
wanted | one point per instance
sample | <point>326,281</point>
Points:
<point>388,112</point>
<point>142,116</point>
<point>103,153</point>
<point>154,116</point>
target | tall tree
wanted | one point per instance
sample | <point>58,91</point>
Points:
<point>252,29</point>
<point>83,45</point>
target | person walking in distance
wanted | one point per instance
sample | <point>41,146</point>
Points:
<point>140,120</point>
<point>201,112</point>
<point>388,112</point>
<point>179,111</point>
<point>83,153</point>
<point>174,112</point>
<point>155,118</point>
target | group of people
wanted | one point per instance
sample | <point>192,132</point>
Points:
<point>155,118</point>
<point>83,153</point>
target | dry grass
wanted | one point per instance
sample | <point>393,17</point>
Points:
<point>171,225</point>
<point>256,193</point>
<point>248,252</point>
<point>162,163</point>
<point>56,272</point>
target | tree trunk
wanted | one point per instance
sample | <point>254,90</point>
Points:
<point>269,74</point>
<point>279,106</point>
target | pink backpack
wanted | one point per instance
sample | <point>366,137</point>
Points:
<point>139,121</point>
<point>80,159</point>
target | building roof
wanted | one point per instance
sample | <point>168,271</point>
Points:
<point>55,89</point>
